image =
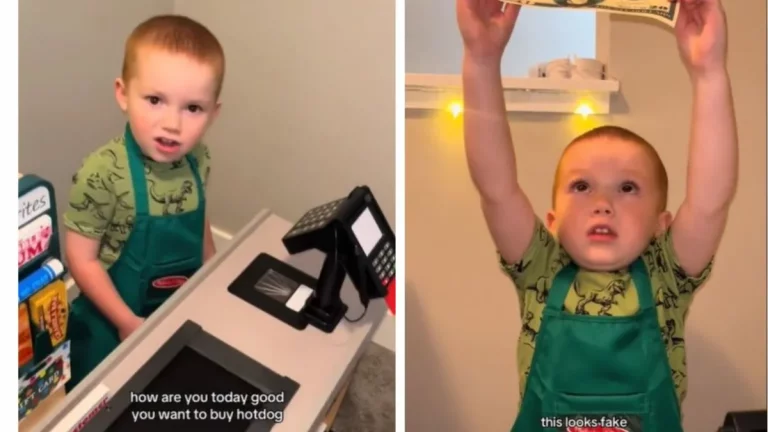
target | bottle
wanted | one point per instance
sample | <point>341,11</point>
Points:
<point>40,278</point>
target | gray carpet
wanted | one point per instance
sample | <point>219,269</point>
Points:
<point>369,405</point>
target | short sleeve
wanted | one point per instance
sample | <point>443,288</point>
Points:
<point>543,257</point>
<point>92,200</point>
<point>202,155</point>
<point>664,265</point>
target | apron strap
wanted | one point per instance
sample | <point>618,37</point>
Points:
<point>642,284</point>
<point>560,287</point>
<point>192,161</point>
<point>565,277</point>
<point>139,180</point>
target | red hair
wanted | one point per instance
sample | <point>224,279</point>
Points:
<point>179,35</point>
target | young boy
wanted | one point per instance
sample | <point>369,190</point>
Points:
<point>606,282</point>
<point>136,222</point>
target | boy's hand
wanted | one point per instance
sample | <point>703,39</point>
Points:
<point>125,329</point>
<point>701,36</point>
<point>485,28</point>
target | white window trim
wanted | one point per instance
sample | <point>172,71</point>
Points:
<point>541,95</point>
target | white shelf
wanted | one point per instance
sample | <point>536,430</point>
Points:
<point>540,95</point>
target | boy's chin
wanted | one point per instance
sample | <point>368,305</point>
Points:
<point>602,260</point>
<point>163,157</point>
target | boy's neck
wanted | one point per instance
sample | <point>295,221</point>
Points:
<point>149,159</point>
<point>619,271</point>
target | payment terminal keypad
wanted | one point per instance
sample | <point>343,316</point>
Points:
<point>315,218</point>
<point>384,263</point>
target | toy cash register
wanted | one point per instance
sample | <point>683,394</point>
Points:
<point>43,304</point>
<point>357,241</point>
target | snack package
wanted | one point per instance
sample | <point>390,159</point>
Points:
<point>50,311</point>
<point>26,351</point>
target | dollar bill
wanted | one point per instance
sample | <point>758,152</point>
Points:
<point>660,10</point>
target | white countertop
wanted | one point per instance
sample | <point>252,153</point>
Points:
<point>285,350</point>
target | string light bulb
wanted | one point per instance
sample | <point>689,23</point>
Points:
<point>455,108</point>
<point>584,110</point>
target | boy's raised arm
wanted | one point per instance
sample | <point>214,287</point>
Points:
<point>487,138</point>
<point>713,151</point>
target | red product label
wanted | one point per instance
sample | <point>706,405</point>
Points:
<point>34,240</point>
<point>88,417</point>
<point>169,282</point>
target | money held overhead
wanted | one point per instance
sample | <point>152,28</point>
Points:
<point>660,10</point>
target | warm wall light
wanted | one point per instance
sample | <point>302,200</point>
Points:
<point>584,109</point>
<point>455,108</point>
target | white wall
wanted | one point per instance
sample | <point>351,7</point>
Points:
<point>434,44</point>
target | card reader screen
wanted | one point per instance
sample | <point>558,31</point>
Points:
<point>367,231</point>
<point>190,375</point>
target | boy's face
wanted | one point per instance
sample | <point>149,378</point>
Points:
<point>607,203</point>
<point>170,102</point>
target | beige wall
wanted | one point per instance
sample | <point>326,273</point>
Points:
<point>462,314</point>
<point>306,117</point>
<point>308,105</point>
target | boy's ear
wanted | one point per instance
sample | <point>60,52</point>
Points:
<point>665,220</point>
<point>214,115</point>
<point>551,221</point>
<point>121,94</point>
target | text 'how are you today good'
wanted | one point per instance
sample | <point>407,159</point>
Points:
<point>224,407</point>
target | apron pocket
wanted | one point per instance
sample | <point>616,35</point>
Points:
<point>601,404</point>
<point>183,262</point>
<point>615,413</point>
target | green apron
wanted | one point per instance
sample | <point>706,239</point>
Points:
<point>599,367</point>
<point>161,253</point>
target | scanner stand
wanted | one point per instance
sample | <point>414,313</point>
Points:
<point>325,309</point>
<point>292,296</point>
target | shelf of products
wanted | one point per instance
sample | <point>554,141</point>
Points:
<point>44,363</point>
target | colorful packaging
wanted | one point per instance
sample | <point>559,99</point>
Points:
<point>40,278</point>
<point>35,239</point>
<point>26,351</point>
<point>50,311</point>
<point>51,376</point>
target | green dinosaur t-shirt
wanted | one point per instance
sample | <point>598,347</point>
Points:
<point>102,203</point>
<point>603,293</point>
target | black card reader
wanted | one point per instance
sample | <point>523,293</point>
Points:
<point>357,241</point>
